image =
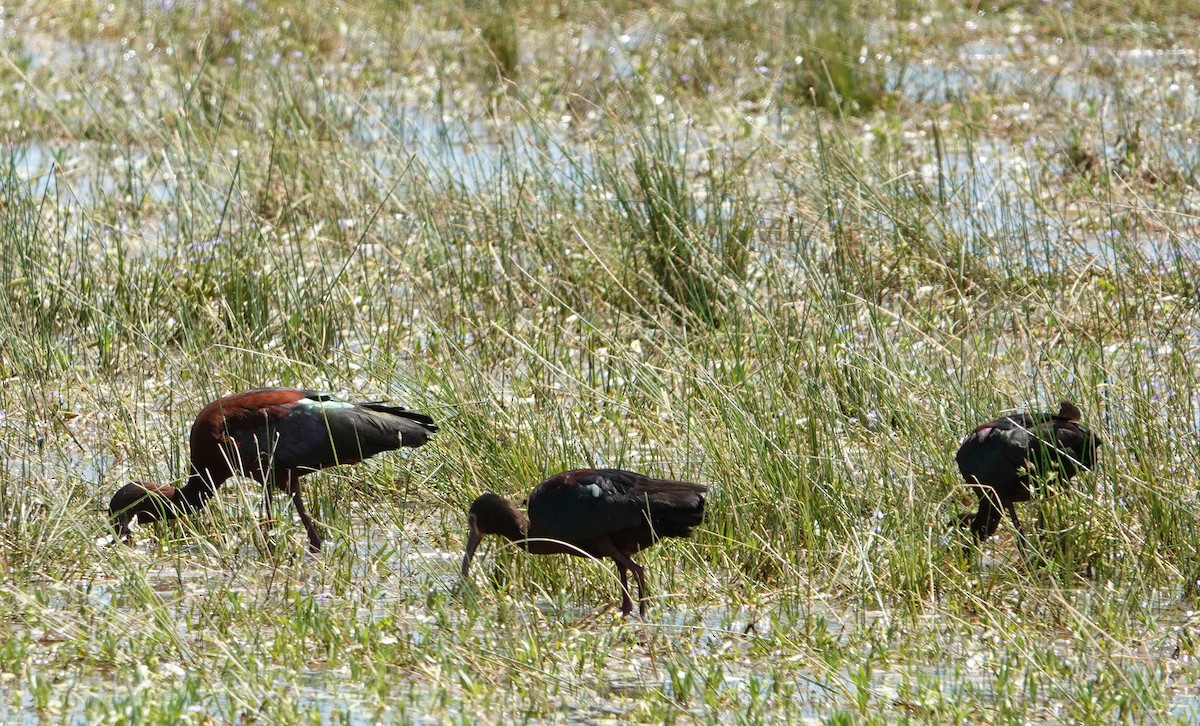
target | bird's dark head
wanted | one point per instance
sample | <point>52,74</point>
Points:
<point>491,514</point>
<point>1083,443</point>
<point>1069,412</point>
<point>141,502</point>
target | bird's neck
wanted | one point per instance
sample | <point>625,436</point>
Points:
<point>514,528</point>
<point>199,488</point>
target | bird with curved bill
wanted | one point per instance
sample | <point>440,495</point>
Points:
<point>274,436</point>
<point>1002,461</point>
<point>598,513</point>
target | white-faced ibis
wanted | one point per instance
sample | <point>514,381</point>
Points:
<point>592,513</point>
<point>274,436</point>
<point>1001,459</point>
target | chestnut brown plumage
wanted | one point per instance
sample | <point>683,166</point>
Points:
<point>592,513</point>
<point>1002,459</point>
<point>274,436</point>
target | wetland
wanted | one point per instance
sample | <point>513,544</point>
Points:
<point>793,251</point>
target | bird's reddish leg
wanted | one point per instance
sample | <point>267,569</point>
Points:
<point>987,519</point>
<point>291,484</point>
<point>606,548</point>
<point>314,538</point>
<point>626,602</point>
<point>623,560</point>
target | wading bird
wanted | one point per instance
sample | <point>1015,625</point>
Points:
<point>1002,459</point>
<point>592,513</point>
<point>274,436</point>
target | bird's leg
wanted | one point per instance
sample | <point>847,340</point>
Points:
<point>1021,544</point>
<point>626,602</point>
<point>314,537</point>
<point>641,580</point>
<point>290,483</point>
<point>623,560</point>
<point>987,518</point>
<point>984,522</point>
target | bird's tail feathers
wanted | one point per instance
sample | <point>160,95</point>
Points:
<point>674,506</point>
<point>425,421</point>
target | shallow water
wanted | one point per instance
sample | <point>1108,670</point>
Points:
<point>994,188</point>
<point>721,638</point>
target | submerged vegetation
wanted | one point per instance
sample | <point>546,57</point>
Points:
<point>792,251</point>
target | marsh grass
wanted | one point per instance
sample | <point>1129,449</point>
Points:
<point>498,32</point>
<point>685,249</point>
<point>606,265</point>
<point>836,69</point>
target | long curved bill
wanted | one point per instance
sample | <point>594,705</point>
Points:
<point>473,540</point>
